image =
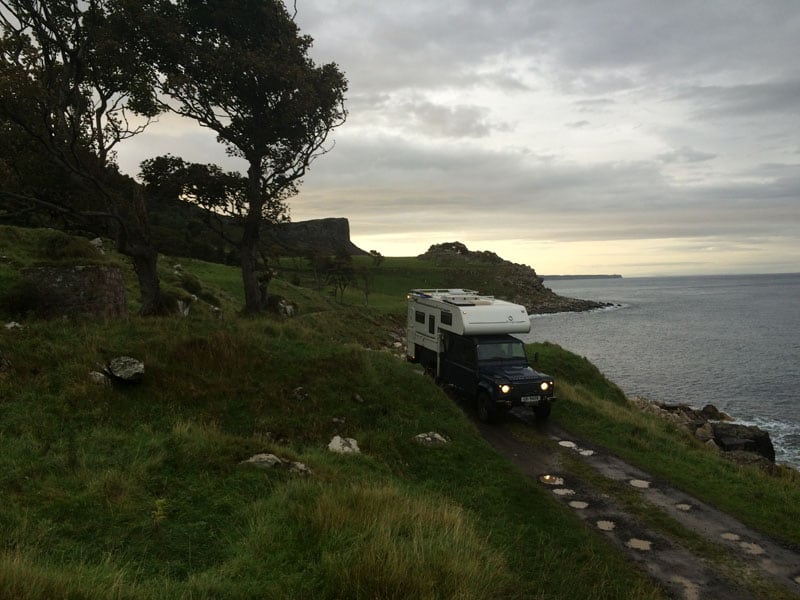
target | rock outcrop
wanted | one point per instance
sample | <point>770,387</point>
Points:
<point>86,290</point>
<point>511,281</point>
<point>714,428</point>
<point>324,236</point>
<point>733,437</point>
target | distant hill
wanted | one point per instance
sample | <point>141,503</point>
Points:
<point>545,277</point>
<point>511,281</point>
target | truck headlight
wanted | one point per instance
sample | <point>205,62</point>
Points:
<point>544,386</point>
<point>505,388</point>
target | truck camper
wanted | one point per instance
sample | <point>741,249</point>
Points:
<point>464,340</point>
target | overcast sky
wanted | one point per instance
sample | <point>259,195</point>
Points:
<point>640,137</point>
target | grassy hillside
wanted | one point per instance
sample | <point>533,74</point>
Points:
<point>141,491</point>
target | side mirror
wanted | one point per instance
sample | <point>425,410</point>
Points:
<point>536,358</point>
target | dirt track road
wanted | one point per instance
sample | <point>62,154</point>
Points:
<point>745,564</point>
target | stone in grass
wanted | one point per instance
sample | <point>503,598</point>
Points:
<point>342,445</point>
<point>430,439</point>
<point>99,378</point>
<point>125,369</point>
<point>270,461</point>
<point>264,461</point>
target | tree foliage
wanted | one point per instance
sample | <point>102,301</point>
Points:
<point>73,86</point>
<point>339,272</point>
<point>79,77</point>
<point>221,194</point>
<point>220,197</point>
<point>241,68</point>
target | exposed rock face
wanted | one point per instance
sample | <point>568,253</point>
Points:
<point>732,437</point>
<point>325,236</point>
<point>513,282</point>
<point>88,290</point>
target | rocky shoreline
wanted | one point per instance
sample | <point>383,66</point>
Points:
<point>717,431</point>
<point>511,281</point>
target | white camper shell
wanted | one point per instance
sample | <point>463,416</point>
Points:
<point>463,312</point>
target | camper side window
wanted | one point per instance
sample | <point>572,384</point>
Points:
<point>447,318</point>
<point>431,324</point>
<point>419,317</point>
<point>462,352</point>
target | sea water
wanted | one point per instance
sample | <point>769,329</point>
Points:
<point>730,341</point>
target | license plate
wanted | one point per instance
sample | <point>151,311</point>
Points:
<point>530,399</point>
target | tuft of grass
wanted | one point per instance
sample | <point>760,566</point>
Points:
<point>382,542</point>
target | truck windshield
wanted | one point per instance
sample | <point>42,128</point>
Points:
<point>501,351</point>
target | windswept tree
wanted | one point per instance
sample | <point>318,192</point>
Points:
<point>71,78</point>
<point>241,68</point>
<point>221,194</point>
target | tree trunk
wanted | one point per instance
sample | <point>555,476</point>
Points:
<point>252,294</point>
<point>145,264</point>
<point>253,302</point>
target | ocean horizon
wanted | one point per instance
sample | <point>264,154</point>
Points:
<point>728,340</point>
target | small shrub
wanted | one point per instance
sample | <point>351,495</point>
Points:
<point>191,284</point>
<point>58,246</point>
<point>209,298</point>
<point>175,301</point>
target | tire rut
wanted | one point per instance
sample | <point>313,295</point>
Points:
<point>678,569</point>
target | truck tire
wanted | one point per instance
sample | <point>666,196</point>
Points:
<point>542,411</point>
<point>486,409</point>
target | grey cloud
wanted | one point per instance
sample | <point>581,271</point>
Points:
<point>405,186</point>
<point>686,155</point>
<point>745,100</point>
<point>438,120</point>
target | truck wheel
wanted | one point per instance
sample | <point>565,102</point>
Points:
<point>542,411</point>
<point>486,410</point>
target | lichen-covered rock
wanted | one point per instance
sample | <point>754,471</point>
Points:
<point>125,369</point>
<point>430,439</point>
<point>264,461</point>
<point>342,445</point>
<point>270,461</point>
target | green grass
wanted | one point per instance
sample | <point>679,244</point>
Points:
<point>140,492</point>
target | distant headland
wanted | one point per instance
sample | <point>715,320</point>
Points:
<point>545,277</point>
